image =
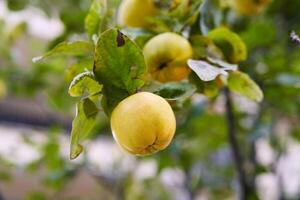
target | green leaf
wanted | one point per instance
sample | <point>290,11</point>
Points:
<point>175,90</point>
<point>111,97</point>
<point>119,61</point>
<point>84,85</point>
<point>208,88</point>
<point>95,17</point>
<point>119,64</point>
<point>230,43</point>
<point>211,89</point>
<point>242,84</point>
<point>16,5</point>
<point>77,48</point>
<point>203,47</point>
<point>80,66</point>
<point>86,112</point>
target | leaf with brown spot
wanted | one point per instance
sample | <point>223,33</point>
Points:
<point>120,39</point>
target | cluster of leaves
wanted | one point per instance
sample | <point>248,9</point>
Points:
<point>119,66</point>
<point>103,74</point>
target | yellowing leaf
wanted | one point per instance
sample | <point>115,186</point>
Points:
<point>230,43</point>
<point>242,84</point>
<point>80,66</point>
<point>84,84</point>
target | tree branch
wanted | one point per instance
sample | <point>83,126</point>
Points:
<point>234,146</point>
<point>30,112</point>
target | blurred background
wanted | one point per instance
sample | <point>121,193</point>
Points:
<point>36,114</point>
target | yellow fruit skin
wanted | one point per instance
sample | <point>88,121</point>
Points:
<point>134,13</point>
<point>143,123</point>
<point>166,56</point>
<point>248,7</point>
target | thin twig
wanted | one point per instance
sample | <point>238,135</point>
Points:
<point>252,153</point>
<point>234,146</point>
